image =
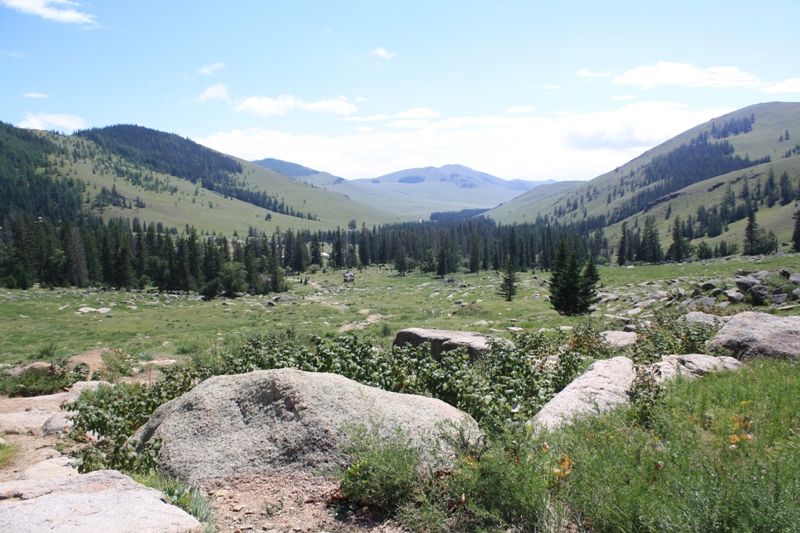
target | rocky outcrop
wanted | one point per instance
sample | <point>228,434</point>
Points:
<point>279,420</point>
<point>442,340</point>
<point>619,339</point>
<point>692,366</point>
<point>51,468</point>
<point>103,501</point>
<point>602,387</point>
<point>751,334</point>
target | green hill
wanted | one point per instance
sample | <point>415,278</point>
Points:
<point>688,176</point>
<point>131,171</point>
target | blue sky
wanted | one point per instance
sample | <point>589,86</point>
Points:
<point>532,90</point>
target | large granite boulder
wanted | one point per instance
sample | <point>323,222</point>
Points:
<point>619,339</point>
<point>692,366</point>
<point>602,387</point>
<point>103,501</point>
<point>281,420</point>
<point>752,334</point>
<point>442,340</point>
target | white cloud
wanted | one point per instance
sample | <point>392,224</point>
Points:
<point>360,99</point>
<point>36,95</point>
<point>664,73</point>
<point>337,107</point>
<point>14,53</point>
<point>520,109</point>
<point>208,70</point>
<point>265,106</point>
<point>47,121</point>
<point>414,113</point>
<point>624,97</point>
<point>791,85</point>
<point>365,129</point>
<point>579,146</point>
<point>214,92</point>
<point>382,53</point>
<point>583,73</point>
<point>58,10</point>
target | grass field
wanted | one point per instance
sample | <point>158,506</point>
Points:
<point>42,324</point>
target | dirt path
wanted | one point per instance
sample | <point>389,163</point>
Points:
<point>285,502</point>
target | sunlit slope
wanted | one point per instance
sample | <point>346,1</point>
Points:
<point>609,195</point>
<point>180,202</point>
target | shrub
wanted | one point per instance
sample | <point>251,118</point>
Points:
<point>39,381</point>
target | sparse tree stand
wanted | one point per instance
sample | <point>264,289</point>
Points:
<point>572,292</point>
<point>751,235</point>
<point>508,287</point>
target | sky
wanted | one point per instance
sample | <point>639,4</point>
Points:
<point>519,89</point>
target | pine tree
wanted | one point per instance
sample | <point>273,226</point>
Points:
<point>622,254</point>
<point>400,257</point>
<point>751,235</point>
<point>572,292</point>
<point>508,287</point>
<point>796,233</point>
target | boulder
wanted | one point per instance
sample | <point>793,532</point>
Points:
<point>779,299</point>
<point>709,285</point>
<point>761,275</point>
<point>751,334</point>
<point>734,295</point>
<point>602,387</point>
<point>28,422</point>
<point>697,317</point>
<point>759,293</point>
<point>51,468</point>
<point>702,302</point>
<point>620,339</point>
<point>442,340</point>
<point>57,423</point>
<point>281,420</point>
<point>17,371</point>
<point>692,366</point>
<point>795,278</point>
<point>103,501</point>
<point>745,283</point>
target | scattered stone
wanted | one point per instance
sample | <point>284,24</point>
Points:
<point>709,285</point>
<point>58,422</point>
<point>102,501</point>
<point>692,366</point>
<point>103,310</point>
<point>697,317</point>
<point>515,329</point>
<point>51,468</point>
<point>751,334</point>
<point>646,304</point>
<point>26,423</point>
<point>734,295</point>
<point>281,420</point>
<point>759,293</point>
<point>620,339</point>
<point>17,371</point>
<point>795,278</point>
<point>761,275</point>
<point>702,302</point>
<point>442,340</point>
<point>746,283</point>
<point>779,299</point>
<point>602,387</point>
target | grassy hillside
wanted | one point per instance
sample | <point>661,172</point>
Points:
<point>608,194</point>
<point>175,201</point>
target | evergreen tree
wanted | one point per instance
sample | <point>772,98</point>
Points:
<point>622,253</point>
<point>316,251</point>
<point>400,257</point>
<point>572,292</point>
<point>796,233</point>
<point>679,250</point>
<point>508,287</point>
<point>751,235</point>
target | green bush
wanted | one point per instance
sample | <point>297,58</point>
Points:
<point>37,382</point>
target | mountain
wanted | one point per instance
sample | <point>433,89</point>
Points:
<point>711,174</point>
<point>136,172</point>
<point>416,192</point>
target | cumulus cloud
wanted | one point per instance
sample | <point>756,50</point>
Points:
<point>578,146</point>
<point>214,92</point>
<point>583,73</point>
<point>414,113</point>
<point>520,109</point>
<point>58,10</point>
<point>208,70</point>
<point>791,85</point>
<point>265,106</point>
<point>382,53</point>
<point>36,95</point>
<point>664,73</point>
<point>48,121</point>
